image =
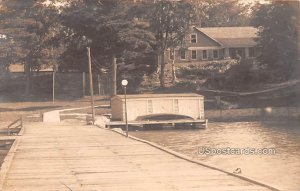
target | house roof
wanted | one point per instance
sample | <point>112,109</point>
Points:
<point>139,96</point>
<point>231,36</point>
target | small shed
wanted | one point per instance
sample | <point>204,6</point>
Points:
<point>188,104</point>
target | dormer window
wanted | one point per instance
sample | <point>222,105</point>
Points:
<point>193,38</point>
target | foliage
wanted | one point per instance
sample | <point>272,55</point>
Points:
<point>278,24</point>
<point>27,24</point>
<point>170,22</point>
<point>221,13</point>
<point>206,70</point>
<point>109,30</point>
<point>7,52</point>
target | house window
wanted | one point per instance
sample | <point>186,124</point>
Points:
<point>171,55</point>
<point>182,54</point>
<point>194,54</point>
<point>204,54</point>
<point>251,52</point>
<point>193,38</point>
<point>216,54</point>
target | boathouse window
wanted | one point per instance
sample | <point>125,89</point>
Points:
<point>194,54</point>
<point>150,106</point>
<point>193,38</point>
<point>204,54</point>
<point>176,107</point>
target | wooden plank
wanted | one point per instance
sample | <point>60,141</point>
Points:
<point>88,158</point>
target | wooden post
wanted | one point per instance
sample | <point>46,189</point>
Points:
<point>288,108</point>
<point>126,112</point>
<point>173,68</point>
<point>53,86</point>
<point>91,83</point>
<point>219,104</point>
<point>108,85</point>
<point>114,76</point>
<point>99,85</point>
<point>83,84</point>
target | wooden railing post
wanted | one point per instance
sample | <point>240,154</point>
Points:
<point>8,130</point>
<point>13,123</point>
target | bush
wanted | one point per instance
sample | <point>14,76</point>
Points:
<point>240,76</point>
<point>204,71</point>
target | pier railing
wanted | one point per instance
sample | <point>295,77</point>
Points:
<point>17,123</point>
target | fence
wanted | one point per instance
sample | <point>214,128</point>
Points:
<point>66,85</point>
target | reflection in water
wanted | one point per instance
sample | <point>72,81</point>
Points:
<point>281,170</point>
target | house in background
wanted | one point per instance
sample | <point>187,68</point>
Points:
<point>216,43</point>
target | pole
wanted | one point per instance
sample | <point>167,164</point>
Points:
<point>53,86</point>
<point>91,83</point>
<point>83,84</point>
<point>126,112</point>
<point>99,85</point>
<point>114,76</point>
<point>54,69</point>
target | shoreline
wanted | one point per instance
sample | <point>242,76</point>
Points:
<point>254,114</point>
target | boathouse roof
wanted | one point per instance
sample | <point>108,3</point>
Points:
<point>139,96</point>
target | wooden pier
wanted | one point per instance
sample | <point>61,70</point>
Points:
<point>86,158</point>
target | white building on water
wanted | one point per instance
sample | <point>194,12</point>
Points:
<point>143,106</point>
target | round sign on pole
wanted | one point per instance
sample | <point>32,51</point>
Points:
<point>124,82</point>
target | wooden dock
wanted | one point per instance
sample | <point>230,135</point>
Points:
<point>86,158</point>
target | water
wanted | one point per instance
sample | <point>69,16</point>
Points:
<point>281,169</point>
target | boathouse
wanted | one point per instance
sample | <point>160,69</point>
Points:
<point>141,106</point>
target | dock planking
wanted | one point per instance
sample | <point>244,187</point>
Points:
<point>86,158</point>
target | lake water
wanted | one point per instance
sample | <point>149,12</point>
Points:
<point>280,169</point>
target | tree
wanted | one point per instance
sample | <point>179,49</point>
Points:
<point>278,36</point>
<point>27,24</point>
<point>111,32</point>
<point>221,13</point>
<point>170,21</point>
<point>7,52</point>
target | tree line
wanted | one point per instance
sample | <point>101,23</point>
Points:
<point>41,33</point>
